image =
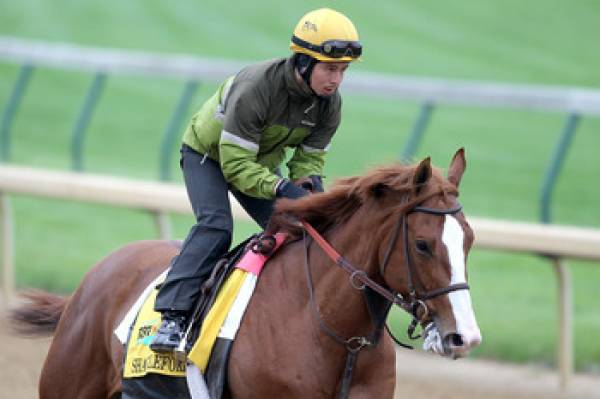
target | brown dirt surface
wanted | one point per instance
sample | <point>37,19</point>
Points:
<point>21,360</point>
<point>420,376</point>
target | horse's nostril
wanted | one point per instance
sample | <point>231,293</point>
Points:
<point>456,340</point>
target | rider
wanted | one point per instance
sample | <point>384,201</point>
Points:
<point>237,141</point>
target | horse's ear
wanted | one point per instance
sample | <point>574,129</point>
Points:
<point>457,167</point>
<point>422,174</point>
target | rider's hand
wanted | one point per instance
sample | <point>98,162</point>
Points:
<point>317,183</point>
<point>313,183</point>
<point>286,189</point>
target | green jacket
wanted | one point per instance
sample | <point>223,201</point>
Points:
<point>254,116</point>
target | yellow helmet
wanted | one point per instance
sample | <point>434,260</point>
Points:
<point>326,35</point>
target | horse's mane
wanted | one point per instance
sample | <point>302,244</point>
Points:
<point>389,186</point>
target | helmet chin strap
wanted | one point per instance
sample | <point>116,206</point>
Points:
<point>305,65</point>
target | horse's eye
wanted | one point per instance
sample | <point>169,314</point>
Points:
<point>422,246</point>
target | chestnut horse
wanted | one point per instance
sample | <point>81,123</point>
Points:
<point>400,225</point>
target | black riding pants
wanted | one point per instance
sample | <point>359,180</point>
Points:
<point>210,238</point>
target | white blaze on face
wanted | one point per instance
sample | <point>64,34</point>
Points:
<point>466,326</point>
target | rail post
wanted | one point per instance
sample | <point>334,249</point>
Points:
<point>161,219</point>
<point>10,110</point>
<point>6,229</point>
<point>163,225</point>
<point>173,128</point>
<point>416,134</point>
<point>564,353</point>
<point>83,120</point>
<point>564,348</point>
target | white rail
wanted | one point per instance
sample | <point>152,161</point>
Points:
<point>159,197</point>
<point>68,56</point>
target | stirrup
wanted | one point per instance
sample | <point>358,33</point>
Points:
<point>169,336</point>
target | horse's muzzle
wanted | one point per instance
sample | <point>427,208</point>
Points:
<point>459,345</point>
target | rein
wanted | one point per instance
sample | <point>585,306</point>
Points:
<point>359,280</point>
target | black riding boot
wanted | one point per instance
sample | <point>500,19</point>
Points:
<point>170,333</point>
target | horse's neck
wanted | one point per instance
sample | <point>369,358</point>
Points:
<point>342,306</point>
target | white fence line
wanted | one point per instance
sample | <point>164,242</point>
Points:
<point>68,56</point>
<point>160,197</point>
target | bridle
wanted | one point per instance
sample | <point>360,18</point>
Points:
<point>358,279</point>
<point>416,301</point>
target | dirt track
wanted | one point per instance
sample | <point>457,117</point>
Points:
<point>419,376</point>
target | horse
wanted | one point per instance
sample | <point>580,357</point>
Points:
<point>399,228</point>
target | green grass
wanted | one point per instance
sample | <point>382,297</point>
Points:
<point>535,42</point>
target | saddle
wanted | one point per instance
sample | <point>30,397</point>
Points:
<point>232,281</point>
<point>211,286</point>
<point>211,331</point>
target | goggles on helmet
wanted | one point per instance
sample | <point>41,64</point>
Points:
<point>332,48</point>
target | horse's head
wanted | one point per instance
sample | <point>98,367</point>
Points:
<point>424,258</point>
<point>408,220</point>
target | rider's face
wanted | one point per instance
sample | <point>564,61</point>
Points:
<point>327,76</point>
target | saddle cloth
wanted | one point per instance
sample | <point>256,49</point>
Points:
<point>222,321</point>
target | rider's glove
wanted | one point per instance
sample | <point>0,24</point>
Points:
<point>317,183</point>
<point>312,183</point>
<point>286,189</point>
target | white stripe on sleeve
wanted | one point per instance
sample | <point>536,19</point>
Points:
<point>237,140</point>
